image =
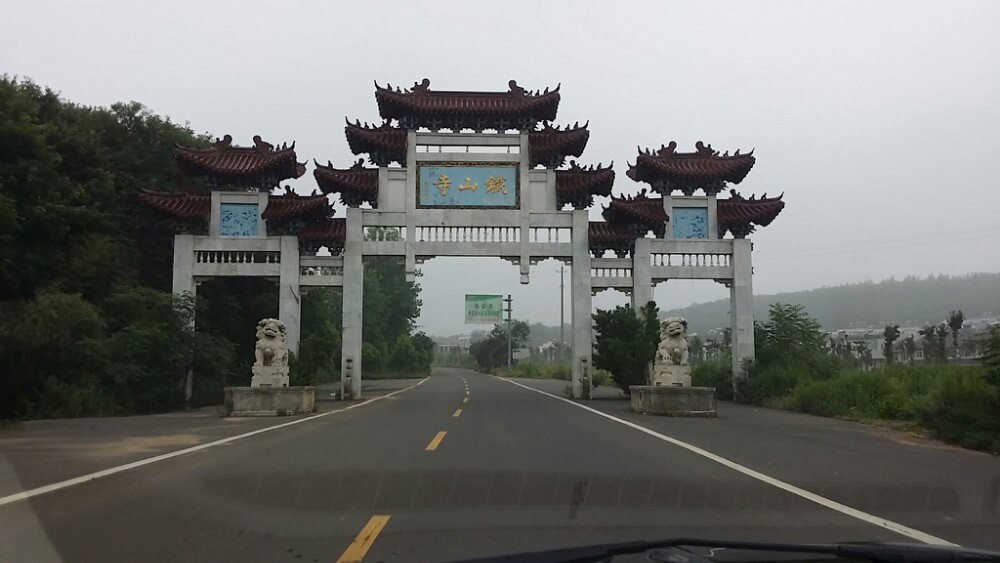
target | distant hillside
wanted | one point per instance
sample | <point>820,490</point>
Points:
<point>909,302</point>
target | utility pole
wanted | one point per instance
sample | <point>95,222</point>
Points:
<point>562,307</point>
<point>510,352</point>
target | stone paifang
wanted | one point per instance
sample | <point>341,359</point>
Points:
<point>457,173</point>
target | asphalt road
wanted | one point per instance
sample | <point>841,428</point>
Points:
<point>467,465</point>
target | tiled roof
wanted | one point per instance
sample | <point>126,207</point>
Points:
<point>740,215</point>
<point>421,107</point>
<point>355,185</point>
<point>549,146</point>
<point>384,144</point>
<point>179,205</point>
<point>240,165</point>
<point>290,204</point>
<point>640,212</point>
<point>601,232</point>
<point>579,185</point>
<point>666,170</point>
<point>325,231</point>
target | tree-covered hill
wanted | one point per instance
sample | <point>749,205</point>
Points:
<point>909,302</point>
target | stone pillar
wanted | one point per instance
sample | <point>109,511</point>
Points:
<point>183,279</point>
<point>289,293</point>
<point>741,306</point>
<point>642,275</point>
<point>410,234</point>
<point>581,309</point>
<point>350,363</point>
<point>183,282</point>
<point>526,205</point>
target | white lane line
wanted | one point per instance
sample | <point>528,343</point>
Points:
<point>162,457</point>
<point>822,501</point>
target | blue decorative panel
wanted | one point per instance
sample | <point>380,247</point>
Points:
<point>490,184</point>
<point>690,222</point>
<point>238,219</point>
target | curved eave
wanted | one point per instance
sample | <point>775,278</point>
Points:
<point>178,205</point>
<point>550,146</point>
<point>291,206</point>
<point>644,211</point>
<point>577,185</point>
<point>744,213</point>
<point>383,144</point>
<point>355,185</point>
<point>239,163</point>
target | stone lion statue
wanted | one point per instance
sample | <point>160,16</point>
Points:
<point>270,349</point>
<point>673,348</point>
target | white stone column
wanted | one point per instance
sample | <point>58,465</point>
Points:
<point>350,363</point>
<point>642,275</point>
<point>524,180</point>
<point>183,282</point>
<point>410,234</point>
<point>582,363</point>
<point>741,306</point>
<point>183,277</point>
<point>289,293</point>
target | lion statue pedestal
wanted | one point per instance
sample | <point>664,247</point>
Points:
<point>269,393</point>
<point>671,393</point>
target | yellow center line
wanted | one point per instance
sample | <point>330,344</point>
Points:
<point>457,413</point>
<point>435,441</point>
<point>364,540</point>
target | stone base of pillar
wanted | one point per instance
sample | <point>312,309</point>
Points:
<point>269,401</point>
<point>674,401</point>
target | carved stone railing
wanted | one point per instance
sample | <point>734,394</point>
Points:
<point>688,259</point>
<point>236,257</point>
<point>324,271</point>
<point>468,234</point>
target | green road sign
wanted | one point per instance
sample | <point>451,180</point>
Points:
<point>485,309</point>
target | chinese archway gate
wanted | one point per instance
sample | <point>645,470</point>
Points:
<point>467,174</point>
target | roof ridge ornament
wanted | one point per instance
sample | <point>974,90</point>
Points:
<point>261,145</point>
<point>224,143</point>
<point>705,150</point>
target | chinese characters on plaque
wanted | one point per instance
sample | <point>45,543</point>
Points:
<point>492,185</point>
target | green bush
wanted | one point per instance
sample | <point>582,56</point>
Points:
<point>714,374</point>
<point>372,360</point>
<point>963,410</point>
<point>560,371</point>
<point>855,394</point>
<point>602,377</point>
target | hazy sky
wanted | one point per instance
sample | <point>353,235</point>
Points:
<point>878,120</point>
